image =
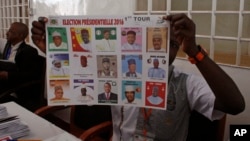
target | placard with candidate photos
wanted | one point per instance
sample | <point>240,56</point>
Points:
<point>125,51</point>
<point>131,93</point>
<point>84,91</point>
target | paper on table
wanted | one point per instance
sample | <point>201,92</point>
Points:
<point>14,128</point>
<point>63,137</point>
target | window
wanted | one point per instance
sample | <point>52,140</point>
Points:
<point>12,11</point>
<point>222,26</point>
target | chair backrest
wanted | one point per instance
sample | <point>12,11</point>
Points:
<point>95,114</point>
<point>201,128</point>
<point>85,117</point>
<point>31,94</point>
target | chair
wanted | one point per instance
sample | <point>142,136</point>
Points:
<point>29,94</point>
<point>95,131</point>
<point>82,118</point>
<point>200,128</point>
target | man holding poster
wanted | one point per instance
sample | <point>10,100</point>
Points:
<point>132,123</point>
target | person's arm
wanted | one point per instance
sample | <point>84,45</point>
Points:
<point>38,33</point>
<point>228,97</point>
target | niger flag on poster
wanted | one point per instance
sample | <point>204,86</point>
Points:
<point>78,39</point>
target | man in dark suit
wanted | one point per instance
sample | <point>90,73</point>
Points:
<point>21,63</point>
<point>107,96</point>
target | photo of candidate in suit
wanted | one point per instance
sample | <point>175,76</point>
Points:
<point>156,71</point>
<point>131,73</point>
<point>157,43</point>
<point>154,99</point>
<point>131,44</point>
<point>107,96</point>
<point>86,44</point>
<point>57,42</point>
<point>130,92</point>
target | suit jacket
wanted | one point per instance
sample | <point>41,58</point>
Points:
<point>103,99</point>
<point>28,64</point>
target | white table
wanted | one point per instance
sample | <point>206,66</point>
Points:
<point>40,129</point>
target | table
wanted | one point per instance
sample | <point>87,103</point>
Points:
<point>40,129</point>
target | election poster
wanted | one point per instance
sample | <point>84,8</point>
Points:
<point>107,60</point>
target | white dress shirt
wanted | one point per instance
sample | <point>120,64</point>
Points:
<point>86,47</point>
<point>106,45</point>
<point>13,52</point>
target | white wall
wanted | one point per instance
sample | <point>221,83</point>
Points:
<point>241,77</point>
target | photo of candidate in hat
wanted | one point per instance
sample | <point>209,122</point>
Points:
<point>157,42</point>
<point>106,70</point>
<point>132,73</point>
<point>156,71</point>
<point>57,42</point>
<point>58,94</point>
<point>154,98</point>
<point>130,92</point>
<point>57,69</point>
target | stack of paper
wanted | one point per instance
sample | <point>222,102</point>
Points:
<point>11,125</point>
<point>3,112</point>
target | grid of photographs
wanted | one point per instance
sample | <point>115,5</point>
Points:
<point>107,60</point>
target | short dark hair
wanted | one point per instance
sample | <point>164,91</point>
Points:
<point>131,32</point>
<point>84,30</point>
<point>108,84</point>
<point>106,30</point>
<point>22,29</point>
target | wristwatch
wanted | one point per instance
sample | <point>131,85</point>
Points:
<point>199,56</point>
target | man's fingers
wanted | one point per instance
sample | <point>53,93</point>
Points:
<point>43,19</point>
<point>37,31</point>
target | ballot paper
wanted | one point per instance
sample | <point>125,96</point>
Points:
<point>3,112</point>
<point>11,125</point>
<point>120,51</point>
